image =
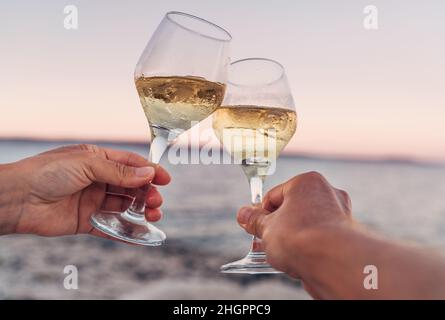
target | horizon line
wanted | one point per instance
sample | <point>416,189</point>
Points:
<point>288,154</point>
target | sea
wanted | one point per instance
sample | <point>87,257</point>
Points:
<point>400,199</point>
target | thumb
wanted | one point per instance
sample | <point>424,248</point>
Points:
<point>118,174</point>
<point>252,219</point>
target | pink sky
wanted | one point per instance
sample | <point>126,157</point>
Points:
<point>357,92</point>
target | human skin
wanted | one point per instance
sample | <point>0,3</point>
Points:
<point>308,232</point>
<point>55,193</point>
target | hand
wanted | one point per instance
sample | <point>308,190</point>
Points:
<point>304,202</point>
<point>60,189</point>
<point>308,232</point>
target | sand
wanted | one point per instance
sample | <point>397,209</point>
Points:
<point>32,268</point>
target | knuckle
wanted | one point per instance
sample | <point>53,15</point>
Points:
<point>315,179</point>
<point>121,171</point>
<point>311,179</point>
<point>90,157</point>
<point>313,175</point>
<point>92,148</point>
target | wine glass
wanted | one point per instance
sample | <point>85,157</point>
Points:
<point>180,79</point>
<point>255,122</point>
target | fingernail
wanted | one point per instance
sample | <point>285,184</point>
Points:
<point>244,215</point>
<point>144,171</point>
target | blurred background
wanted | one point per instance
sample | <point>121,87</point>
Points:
<point>371,105</point>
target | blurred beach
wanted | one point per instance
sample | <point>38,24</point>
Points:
<point>400,199</point>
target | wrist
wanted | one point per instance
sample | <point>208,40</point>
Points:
<point>11,198</point>
<point>315,244</point>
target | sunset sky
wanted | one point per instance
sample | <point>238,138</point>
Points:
<point>358,92</point>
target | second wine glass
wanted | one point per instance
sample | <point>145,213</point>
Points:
<point>180,79</point>
<point>255,122</point>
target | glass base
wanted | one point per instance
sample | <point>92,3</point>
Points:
<point>253,263</point>
<point>129,227</point>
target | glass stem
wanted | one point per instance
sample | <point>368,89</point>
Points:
<point>256,192</point>
<point>157,148</point>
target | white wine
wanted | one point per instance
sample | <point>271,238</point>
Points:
<point>254,135</point>
<point>173,103</point>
